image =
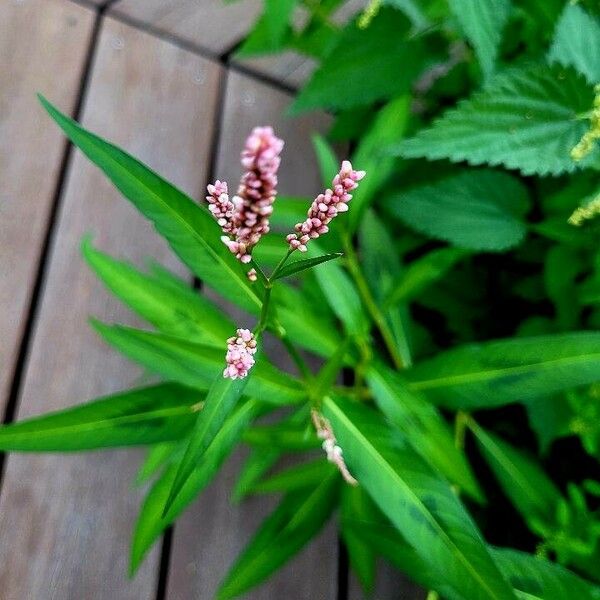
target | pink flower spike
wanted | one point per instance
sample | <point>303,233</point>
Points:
<point>221,207</point>
<point>332,450</point>
<point>240,354</point>
<point>326,207</point>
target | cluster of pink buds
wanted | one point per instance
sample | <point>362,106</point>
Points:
<point>326,207</point>
<point>245,218</point>
<point>333,451</point>
<point>240,354</point>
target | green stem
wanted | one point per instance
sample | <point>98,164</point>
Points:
<point>264,313</point>
<point>371,305</point>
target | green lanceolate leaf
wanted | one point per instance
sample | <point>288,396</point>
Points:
<point>221,399</point>
<point>423,426</point>
<point>366,65</point>
<point>473,210</point>
<point>158,456</point>
<point>138,417</point>
<point>412,10</point>
<point>483,22</point>
<point>522,479</point>
<point>297,477</point>
<point>419,503</point>
<point>151,522</point>
<point>504,371</point>
<point>197,365</point>
<point>297,519</point>
<point>292,438</point>
<point>171,308</point>
<point>526,119</point>
<point>577,42</point>
<point>298,266</point>
<point>189,228</point>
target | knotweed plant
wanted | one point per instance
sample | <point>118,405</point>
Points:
<point>440,311</point>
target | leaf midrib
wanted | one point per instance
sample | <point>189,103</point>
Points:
<point>477,376</point>
<point>423,509</point>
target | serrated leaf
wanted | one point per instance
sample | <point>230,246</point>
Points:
<point>188,227</point>
<point>298,266</point>
<point>197,365</point>
<point>138,417</point>
<point>473,210</point>
<point>364,66</point>
<point>269,32</point>
<point>220,401</point>
<point>524,481</point>
<point>171,308</point>
<point>420,504</point>
<point>151,523</point>
<point>504,371</point>
<point>483,22</point>
<point>577,42</point>
<point>297,519</point>
<point>526,119</point>
<point>423,426</point>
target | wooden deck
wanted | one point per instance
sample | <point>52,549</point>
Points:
<point>153,76</point>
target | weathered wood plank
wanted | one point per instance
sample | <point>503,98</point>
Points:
<point>210,24</point>
<point>38,39</point>
<point>211,534</point>
<point>65,521</point>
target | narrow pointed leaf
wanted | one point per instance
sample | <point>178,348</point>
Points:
<point>308,263</point>
<point>419,503</point>
<point>151,523</point>
<point>423,427</point>
<point>197,365</point>
<point>158,456</point>
<point>189,228</point>
<point>296,477</point>
<point>297,519</point>
<point>328,161</point>
<point>138,417</point>
<point>173,309</point>
<point>504,371</point>
<point>220,401</point>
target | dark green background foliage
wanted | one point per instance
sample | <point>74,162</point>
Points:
<point>460,362</point>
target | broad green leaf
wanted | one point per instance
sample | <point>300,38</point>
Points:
<point>365,65</point>
<point>423,272</point>
<point>298,266</point>
<point>189,228</point>
<point>220,401</point>
<point>577,42</point>
<point>523,480</point>
<point>151,523</point>
<point>526,119</point>
<point>269,33</point>
<point>474,209</point>
<point>504,371</point>
<point>423,426</point>
<point>172,309</point>
<point>388,128</point>
<point>197,365</point>
<point>329,164</point>
<point>483,22</point>
<point>420,504</point>
<point>297,519</point>
<point>303,475</point>
<point>138,417</point>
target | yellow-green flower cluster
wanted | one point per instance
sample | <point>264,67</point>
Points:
<point>588,141</point>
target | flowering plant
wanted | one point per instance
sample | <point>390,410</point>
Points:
<point>444,398</point>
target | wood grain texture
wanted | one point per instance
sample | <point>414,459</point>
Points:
<point>209,24</point>
<point>31,148</point>
<point>66,521</point>
<point>210,535</point>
